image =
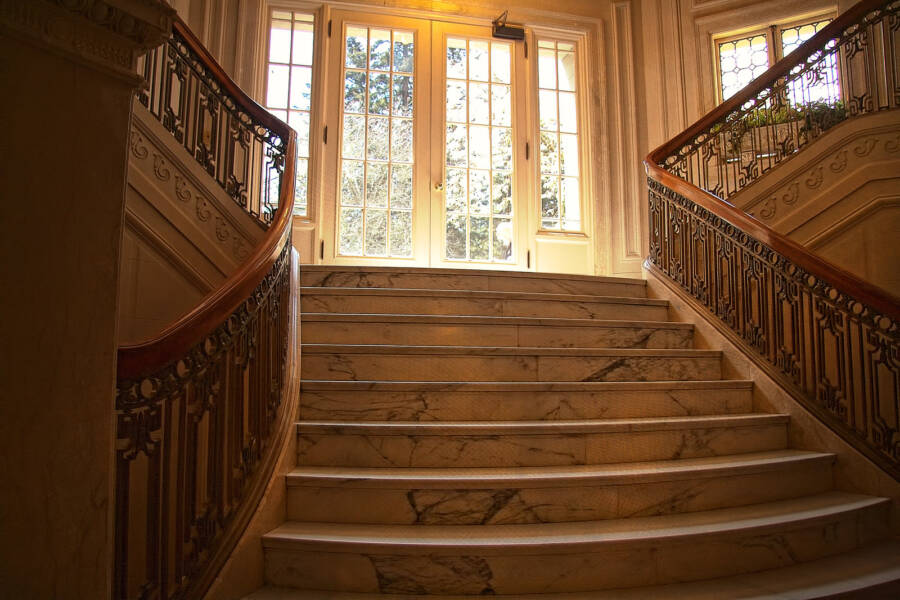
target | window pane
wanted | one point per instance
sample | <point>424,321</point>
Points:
<point>303,44</point>
<point>280,42</point>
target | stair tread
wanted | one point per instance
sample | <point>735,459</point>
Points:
<point>520,386</point>
<point>568,536</point>
<point>845,573</point>
<point>661,470</point>
<point>560,427</point>
<point>503,350</point>
<point>488,320</point>
<point>478,294</point>
<point>470,273</point>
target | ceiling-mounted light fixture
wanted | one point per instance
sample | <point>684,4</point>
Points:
<point>506,31</point>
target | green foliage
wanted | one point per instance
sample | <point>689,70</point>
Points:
<point>813,118</point>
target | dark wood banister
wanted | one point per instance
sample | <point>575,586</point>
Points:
<point>855,287</point>
<point>136,360</point>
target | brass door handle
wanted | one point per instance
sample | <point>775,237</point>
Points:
<point>439,186</point>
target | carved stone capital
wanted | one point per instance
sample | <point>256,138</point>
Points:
<point>105,34</point>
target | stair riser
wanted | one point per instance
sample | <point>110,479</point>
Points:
<point>358,450</point>
<point>395,570</point>
<point>362,406</point>
<point>425,334</point>
<point>496,283</point>
<point>489,307</point>
<point>578,502</point>
<point>435,367</point>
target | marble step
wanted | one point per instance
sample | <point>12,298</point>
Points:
<point>441,330</point>
<point>871,572</point>
<point>464,401</point>
<point>468,279</point>
<point>535,443</point>
<point>456,496</point>
<point>475,303</point>
<point>482,363</point>
<point>571,557</point>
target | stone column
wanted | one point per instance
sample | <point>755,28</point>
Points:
<point>68,76</point>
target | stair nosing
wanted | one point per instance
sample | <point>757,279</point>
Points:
<point>316,348</point>
<point>315,317</point>
<point>474,273</point>
<point>519,386</point>
<point>569,537</point>
<point>475,294</point>
<point>531,428</point>
<point>635,473</point>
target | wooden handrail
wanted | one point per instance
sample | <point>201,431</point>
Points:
<point>246,102</point>
<point>136,360</point>
<point>855,287</point>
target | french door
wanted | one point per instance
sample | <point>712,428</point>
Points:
<point>430,120</point>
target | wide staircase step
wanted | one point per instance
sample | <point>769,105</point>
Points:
<point>570,556</point>
<point>535,443</point>
<point>534,436</point>
<point>469,280</point>
<point>481,363</point>
<point>867,573</point>
<point>326,400</point>
<point>446,330</point>
<point>473,496</point>
<point>480,303</point>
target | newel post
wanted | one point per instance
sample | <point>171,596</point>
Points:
<point>67,69</point>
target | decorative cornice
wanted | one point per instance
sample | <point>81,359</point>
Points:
<point>106,34</point>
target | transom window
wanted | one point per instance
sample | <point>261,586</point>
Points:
<point>741,58</point>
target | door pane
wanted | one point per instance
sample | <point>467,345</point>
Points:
<point>478,206</point>
<point>377,143</point>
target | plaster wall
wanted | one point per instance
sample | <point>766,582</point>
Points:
<point>183,234</point>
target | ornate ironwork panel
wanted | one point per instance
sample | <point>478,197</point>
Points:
<point>244,157</point>
<point>189,439</point>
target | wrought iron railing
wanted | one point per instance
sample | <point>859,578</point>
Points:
<point>832,339</point>
<point>199,410</point>
<point>207,114</point>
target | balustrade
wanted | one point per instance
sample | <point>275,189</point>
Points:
<point>830,338</point>
<point>200,411</point>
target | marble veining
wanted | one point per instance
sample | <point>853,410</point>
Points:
<point>429,574</point>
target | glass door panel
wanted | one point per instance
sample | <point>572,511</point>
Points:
<point>377,143</point>
<point>379,181</point>
<point>475,118</point>
<point>478,151</point>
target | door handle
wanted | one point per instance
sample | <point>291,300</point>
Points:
<point>439,186</point>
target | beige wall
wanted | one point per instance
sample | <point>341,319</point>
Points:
<point>183,234</point>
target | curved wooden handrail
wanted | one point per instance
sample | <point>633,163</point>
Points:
<point>136,360</point>
<point>860,289</point>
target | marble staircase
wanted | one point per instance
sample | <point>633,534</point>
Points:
<point>469,433</point>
